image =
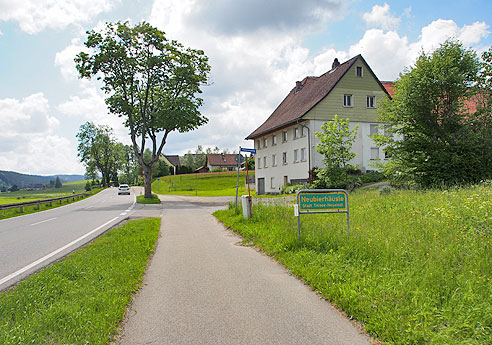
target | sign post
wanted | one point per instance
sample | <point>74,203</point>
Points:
<point>252,151</point>
<point>321,201</point>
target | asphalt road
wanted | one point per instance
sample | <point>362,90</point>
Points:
<point>204,287</point>
<point>32,241</point>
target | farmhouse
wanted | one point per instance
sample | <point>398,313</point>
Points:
<point>286,141</point>
<point>221,161</point>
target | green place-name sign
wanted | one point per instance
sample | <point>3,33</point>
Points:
<point>322,202</point>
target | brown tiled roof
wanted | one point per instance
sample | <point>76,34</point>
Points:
<point>217,159</point>
<point>174,160</point>
<point>298,102</point>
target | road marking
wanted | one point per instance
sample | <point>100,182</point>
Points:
<point>123,214</point>
<point>46,257</point>
<point>90,207</point>
<point>43,221</point>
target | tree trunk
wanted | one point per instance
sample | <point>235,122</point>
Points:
<point>147,181</point>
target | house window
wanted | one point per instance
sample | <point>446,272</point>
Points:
<point>264,162</point>
<point>286,180</point>
<point>304,131</point>
<point>373,129</point>
<point>284,136</point>
<point>374,153</point>
<point>284,158</point>
<point>296,156</point>
<point>272,183</point>
<point>258,144</point>
<point>358,72</point>
<point>347,101</point>
<point>274,160</point>
<point>296,132</point>
<point>274,140</point>
<point>371,101</point>
<point>265,143</point>
<point>303,155</point>
<point>259,163</point>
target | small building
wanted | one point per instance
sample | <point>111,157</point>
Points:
<point>172,161</point>
<point>286,142</point>
<point>201,170</point>
<point>222,162</point>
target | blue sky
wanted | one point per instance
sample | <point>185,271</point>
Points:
<point>257,50</point>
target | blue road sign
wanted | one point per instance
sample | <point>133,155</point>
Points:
<point>253,151</point>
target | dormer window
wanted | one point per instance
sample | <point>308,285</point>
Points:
<point>358,72</point>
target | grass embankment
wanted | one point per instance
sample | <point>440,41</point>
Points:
<point>206,184</point>
<point>416,268</point>
<point>24,196</point>
<point>82,299</point>
<point>153,200</point>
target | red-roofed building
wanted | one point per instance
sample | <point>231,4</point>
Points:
<point>220,161</point>
<point>286,141</point>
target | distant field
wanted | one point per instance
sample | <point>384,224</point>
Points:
<point>208,184</point>
<point>24,196</point>
<point>29,195</point>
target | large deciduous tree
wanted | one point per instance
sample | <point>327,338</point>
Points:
<point>435,135</point>
<point>151,82</point>
<point>99,150</point>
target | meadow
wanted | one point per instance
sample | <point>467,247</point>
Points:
<point>206,184</point>
<point>24,195</point>
<point>28,195</point>
<point>82,299</point>
<point>415,269</point>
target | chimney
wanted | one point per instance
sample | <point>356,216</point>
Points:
<point>298,86</point>
<point>335,64</point>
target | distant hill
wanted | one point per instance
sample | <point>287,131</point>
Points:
<point>9,178</point>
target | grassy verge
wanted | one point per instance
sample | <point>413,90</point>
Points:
<point>153,200</point>
<point>207,184</point>
<point>14,212</point>
<point>82,299</point>
<point>416,268</point>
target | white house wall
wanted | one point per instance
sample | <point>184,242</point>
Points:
<point>293,170</point>
<point>362,146</point>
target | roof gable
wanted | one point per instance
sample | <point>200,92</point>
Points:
<point>306,95</point>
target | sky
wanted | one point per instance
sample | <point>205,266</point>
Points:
<point>257,50</point>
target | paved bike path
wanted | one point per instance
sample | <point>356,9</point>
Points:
<point>203,287</point>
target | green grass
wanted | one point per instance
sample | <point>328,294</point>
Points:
<point>14,212</point>
<point>82,299</point>
<point>416,268</point>
<point>153,200</point>
<point>208,184</point>
<point>66,189</point>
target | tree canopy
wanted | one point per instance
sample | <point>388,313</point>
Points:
<point>99,151</point>
<point>151,82</point>
<point>431,133</point>
<point>335,144</point>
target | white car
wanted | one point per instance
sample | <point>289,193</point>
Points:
<point>123,189</point>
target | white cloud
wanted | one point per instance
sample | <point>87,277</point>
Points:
<point>34,16</point>
<point>380,17</point>
<point>65,59</point>
<point>254,67</point>
<point>388,53</point>
<point>28,140</point>
<point>89,105</point>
